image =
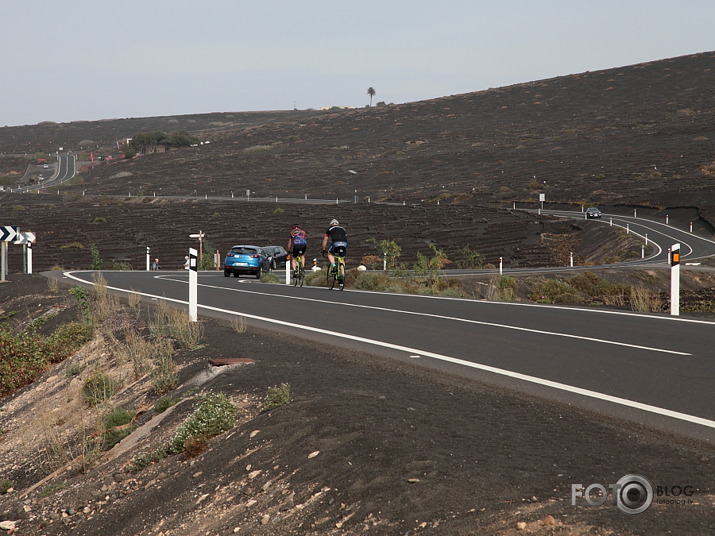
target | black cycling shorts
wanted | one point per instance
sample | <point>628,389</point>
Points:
<point>299,250</point>
<point>339,249</point>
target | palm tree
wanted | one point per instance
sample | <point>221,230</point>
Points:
<point>371,92</point>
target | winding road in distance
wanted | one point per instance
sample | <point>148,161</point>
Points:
<point>653,369</point>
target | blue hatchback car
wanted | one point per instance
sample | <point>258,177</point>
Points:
<point>249,260</point>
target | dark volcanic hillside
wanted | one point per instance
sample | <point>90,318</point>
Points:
<point>640,135</point>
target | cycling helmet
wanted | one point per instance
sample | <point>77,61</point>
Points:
<point>296,226</point>
<point>334,222</point>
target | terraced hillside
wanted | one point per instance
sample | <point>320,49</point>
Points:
<point>629,136</point>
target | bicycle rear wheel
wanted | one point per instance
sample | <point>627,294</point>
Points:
<point>341,275</point>
<point>301,274</point>
<point>331,278</point>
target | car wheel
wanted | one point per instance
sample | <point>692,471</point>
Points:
<point>274,266</point>
<point>226,273</point>
<point>258,274</point>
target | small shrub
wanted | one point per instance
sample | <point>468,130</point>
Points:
<point>50,490</point>
<point>238,324</point>
<point>268,277</point>
<point>97,388</point>
<point>72,245</point>
<point>140,461</point>
<point>164,403</point>
<point>96,257</point>
<point>81,294</point>
<point>646,301</point>
<point>554,291</point>
<point>117,426</point>
<point>6,485</point>
<point>502,288</point>
<point>214,414</point>
<point>194,446</point>
<point>164,378</point>
<point>66,340</point>
<point>470,259</point>
<point>276,396</point>
<point>121,266</point>
<point>99,219</point>
<point>73,370</point>
<point>53,285</point>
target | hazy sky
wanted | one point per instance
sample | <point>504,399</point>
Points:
<point>96,59</point>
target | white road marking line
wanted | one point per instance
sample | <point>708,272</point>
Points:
<point>502,372</point>
<point>456,319</point>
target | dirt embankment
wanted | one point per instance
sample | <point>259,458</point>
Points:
<point>364,447</point>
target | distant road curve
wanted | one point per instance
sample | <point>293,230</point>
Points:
<point>658,234</point>
<point>65,169</point>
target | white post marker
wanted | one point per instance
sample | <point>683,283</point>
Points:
<point>148,260</point>
<point>29,257</point>
<point>674,257</point>
<point>571,259</point>
<point>384,261</point>
<point>288,270</point>
<point>193,285</point>
<point>501,259</point>
<point>3,254</point>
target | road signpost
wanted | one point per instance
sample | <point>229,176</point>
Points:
<point>200,235</point>
<point>8,233</point>
<point>674,258</point>
<point>193,285</point>
<point>26,239</point>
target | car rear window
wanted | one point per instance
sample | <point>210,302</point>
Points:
<point>244,251</point>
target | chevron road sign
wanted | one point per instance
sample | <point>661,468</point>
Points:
<point>8,233</point>
<point>25,237</point>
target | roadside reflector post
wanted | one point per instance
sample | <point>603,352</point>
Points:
<point>148,259</point>
<point>288,265</point>
<point>610,222</point>
<point>193,285</point>
<point>642,252</point>
<point>635,212</point>
<point>28,257</point>
<point>674,258</point>
<point>666,219</point>
<point>3,254</point>
<point>646,239</point>
<point>501,263</point>
<point>691,227</point>
<point>384,261</point>
<point>628,228</point>
<point>571,259</point>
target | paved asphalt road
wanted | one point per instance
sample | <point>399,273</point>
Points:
<point>652,369</point>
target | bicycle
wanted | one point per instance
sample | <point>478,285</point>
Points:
<point>299,277</point>
<point>336,273</point>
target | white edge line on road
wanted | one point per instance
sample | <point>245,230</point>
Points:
<point>443,317</point>
<point>494,370</point>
